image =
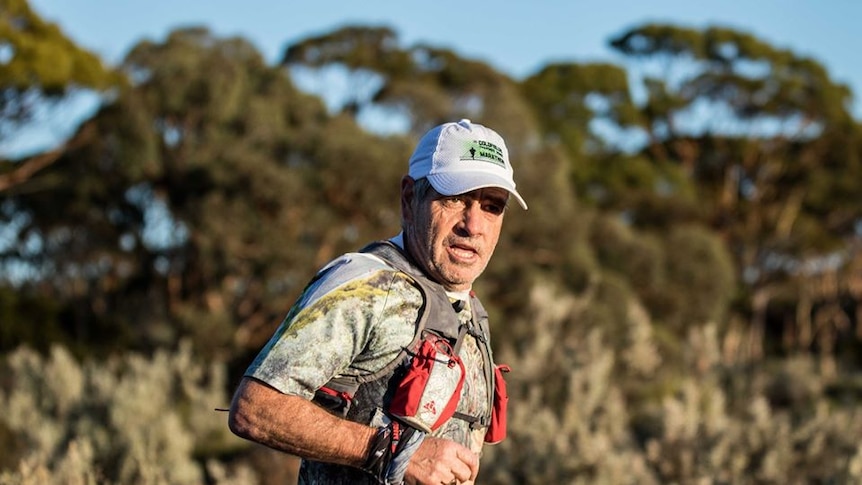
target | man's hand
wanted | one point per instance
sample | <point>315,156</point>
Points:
<point>440,461</point>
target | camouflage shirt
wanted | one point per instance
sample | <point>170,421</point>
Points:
<point>354,320</point>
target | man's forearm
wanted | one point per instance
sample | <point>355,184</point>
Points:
<point>297,426</point>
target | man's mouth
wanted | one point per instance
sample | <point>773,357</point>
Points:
<point>463,251</point>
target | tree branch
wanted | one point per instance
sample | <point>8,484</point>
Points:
<point>31,166</point>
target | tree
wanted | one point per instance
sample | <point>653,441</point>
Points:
<point>40,65</point>
<point>180,207</point>
<point>767,138</point>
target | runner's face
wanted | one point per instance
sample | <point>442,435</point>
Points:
<point>453,237</point>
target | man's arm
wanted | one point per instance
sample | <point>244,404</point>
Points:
<point>297,426</point>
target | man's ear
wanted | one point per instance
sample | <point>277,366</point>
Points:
<point>407,195</point>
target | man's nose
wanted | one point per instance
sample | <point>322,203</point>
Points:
<point>471,218</point>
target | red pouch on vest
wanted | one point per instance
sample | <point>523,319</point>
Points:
<point>429,392</point>
<point>497,429</point>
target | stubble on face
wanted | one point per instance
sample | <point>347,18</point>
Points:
<point>453,251</point>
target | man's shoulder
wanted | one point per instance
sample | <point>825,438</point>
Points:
<point>357,268</point>
<point>353,265</point>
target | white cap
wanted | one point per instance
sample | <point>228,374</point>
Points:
<point>457,158</point>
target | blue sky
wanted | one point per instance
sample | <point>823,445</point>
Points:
<point>515,37</point>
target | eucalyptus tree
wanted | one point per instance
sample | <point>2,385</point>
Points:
<point>208,193</point>
<point>648,206</point>
<point>40,66</point>
<point>767,138</point>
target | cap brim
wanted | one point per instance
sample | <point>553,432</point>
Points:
<point>463,182</point>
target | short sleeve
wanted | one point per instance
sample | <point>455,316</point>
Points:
<point>355,327</point>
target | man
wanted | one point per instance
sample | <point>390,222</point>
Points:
<point>355,319</point>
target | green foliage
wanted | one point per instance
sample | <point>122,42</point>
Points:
<point>195,182</point>
<point>762,156</point>
<point>18,311</point>
<point>43,63</point>
<point>684,277</point>
<point>426,84</point>
<point>699,267</point>
<point>43,56</point>
<point>752,77</point>
<point>571,96</point>
<point>355,46</point>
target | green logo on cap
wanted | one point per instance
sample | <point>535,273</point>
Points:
<point>484,151</point>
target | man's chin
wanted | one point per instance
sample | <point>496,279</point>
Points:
<point>460,281</point>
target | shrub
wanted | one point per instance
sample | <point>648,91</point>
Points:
<point>129,420</point>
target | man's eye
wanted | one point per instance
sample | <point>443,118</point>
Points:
<point>496,209</point>
<point>453,201</point>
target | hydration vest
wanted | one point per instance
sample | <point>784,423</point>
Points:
<point>357,398</point>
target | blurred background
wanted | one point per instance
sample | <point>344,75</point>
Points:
<point>681,303</point>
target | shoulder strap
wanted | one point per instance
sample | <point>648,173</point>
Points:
<point>435,302</point>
